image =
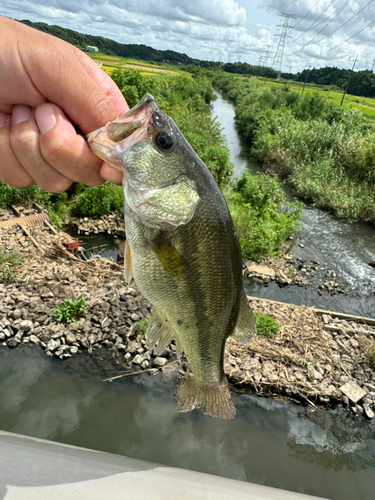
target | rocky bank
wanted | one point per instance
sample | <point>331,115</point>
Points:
<point>317,359</point>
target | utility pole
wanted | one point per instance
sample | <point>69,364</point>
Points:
<point>285,27</point>
<point>307,75</point>
<point>350,77</point>
<point>290,67</point>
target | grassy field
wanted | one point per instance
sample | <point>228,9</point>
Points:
<point>147,68</point>
<point>365,105</point>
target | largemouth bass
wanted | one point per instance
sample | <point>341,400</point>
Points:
<point>181,248</point>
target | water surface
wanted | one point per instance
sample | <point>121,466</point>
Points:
<point>270,442</point>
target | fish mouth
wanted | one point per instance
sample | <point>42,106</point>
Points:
<point>110,141</point>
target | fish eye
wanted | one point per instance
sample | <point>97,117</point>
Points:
<point>164,140</point>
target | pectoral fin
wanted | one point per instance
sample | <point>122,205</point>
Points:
<point>246,328</point>
<point>128,271</point>
<point>169,258</point>
<point>160,333</point>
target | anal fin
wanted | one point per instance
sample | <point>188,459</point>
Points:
<point>160,333</point>
<point>215,401</point>
<point>128,270</point>
<point>246,328</point>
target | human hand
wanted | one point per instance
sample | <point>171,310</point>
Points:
<point>46,86</point>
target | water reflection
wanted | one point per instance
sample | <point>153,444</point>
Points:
<point>279,444</point>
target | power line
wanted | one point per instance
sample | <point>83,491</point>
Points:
<point>313,24</point>
<point>350,77</point>
<point>346,22</point>
<point>324,27</point>
<point>307,13</point>
<point>355,34</point>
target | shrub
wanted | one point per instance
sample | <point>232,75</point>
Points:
<point>266,325</point>
<point>261,216</point>
<point>100,200</point>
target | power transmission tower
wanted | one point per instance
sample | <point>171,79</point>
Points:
<point>285,27</point>
<point>260,60</point>
<point>350,77</point>
<point>266,56</point>
<point>372,67</point>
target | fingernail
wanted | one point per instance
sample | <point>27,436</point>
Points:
<point>45,117</point>
<point>20,114</point>
<point>4,119</point>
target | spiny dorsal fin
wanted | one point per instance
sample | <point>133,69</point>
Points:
<point>128,270</point>
<point>169,258</point>
<point>160,333</point>
<point>246,328</point>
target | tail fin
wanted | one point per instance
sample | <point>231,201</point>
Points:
<point>214,401</point>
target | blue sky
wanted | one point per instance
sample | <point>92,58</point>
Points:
<point>325,32</point>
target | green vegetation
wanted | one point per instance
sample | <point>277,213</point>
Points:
<point>262,217</point>
<point>69,310</point>
<point>266,325</point>
<point>100,200</point>
<point>371,358</point>
<point>8,262</point>
<point>326,151</point>
<point>141,326</point>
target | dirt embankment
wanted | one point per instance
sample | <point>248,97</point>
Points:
<point>315,358</point>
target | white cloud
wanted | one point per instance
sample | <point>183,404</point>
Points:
<point>219,29</point>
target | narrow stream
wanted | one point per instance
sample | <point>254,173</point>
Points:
<point>345,248</point>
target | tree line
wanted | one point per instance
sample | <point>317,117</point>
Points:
<point>362,83</point>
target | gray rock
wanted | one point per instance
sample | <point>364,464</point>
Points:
<point>52,345</point>
<point>135,317</point>
<point>2,336</point>
<point>145,364</point>
<point>159,361</point>
<point>45,336</point>
<point>127,356</point>
<point>353,391</point>
<point>34,339</point>
<point>16,314</point>
<point>138,359</point>
<point>369,414</point>
<point>12,343</point>
<point>70,338</point>
<point>26,325</point>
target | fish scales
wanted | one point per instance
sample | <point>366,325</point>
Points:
<point>183,251</point>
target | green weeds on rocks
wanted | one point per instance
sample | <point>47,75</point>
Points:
<point>266,325</point>
<point>69,310</point>
<point>8,262</point>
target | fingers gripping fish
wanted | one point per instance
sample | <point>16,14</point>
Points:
<point>181,248</point>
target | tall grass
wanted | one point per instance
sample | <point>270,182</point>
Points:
<point>326,151</point>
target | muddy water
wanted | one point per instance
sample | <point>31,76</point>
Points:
<point>323,453</point>
<point>342,247</point>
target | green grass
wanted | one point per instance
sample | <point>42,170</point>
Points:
<point>8,263</point>
<point>266,325</point>
<point>69,310</point>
